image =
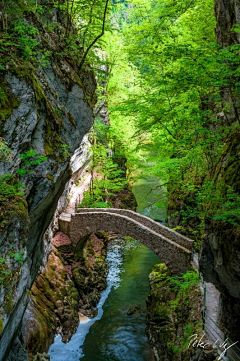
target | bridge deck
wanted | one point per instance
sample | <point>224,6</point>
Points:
<point>173,248</point>
<point>148,222</point>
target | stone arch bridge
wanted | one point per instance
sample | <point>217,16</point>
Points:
<point>172,248</point>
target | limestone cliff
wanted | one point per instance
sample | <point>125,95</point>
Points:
<point>174,315</point>
<point>71,281</point>
<point>45,112</point>
<point>218,233</point>
<point>220,255</point>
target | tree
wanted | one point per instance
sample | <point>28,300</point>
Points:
<point>181,72</point>
<point>107,179</point>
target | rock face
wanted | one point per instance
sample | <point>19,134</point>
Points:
<point>220,257</point>
<point>71,282</point>
<point>219,254</point>
<point>50,112</point>
<point>53,298</point>
<point>91,273</point>
<point>227,14</point>
<point>174,314</point>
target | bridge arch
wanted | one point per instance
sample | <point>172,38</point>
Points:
<point>171,247</point>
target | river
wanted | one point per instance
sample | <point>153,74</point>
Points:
<point>113,335</point>
<point>149,191</point>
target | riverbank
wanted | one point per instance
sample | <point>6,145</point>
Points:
<point>72,282</point>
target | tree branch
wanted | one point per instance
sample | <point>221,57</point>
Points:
<point>163,125</point>
<point>89,22</point>
<point>97,38</point>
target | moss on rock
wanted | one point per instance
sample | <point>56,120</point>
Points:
<point>54,305</point>
<point>8,101</point>
<point>90,275</point>
<point>69,284</point>
<point>174,314</point>
<point>1,326</point>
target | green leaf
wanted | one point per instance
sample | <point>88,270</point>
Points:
<point>22,171</point>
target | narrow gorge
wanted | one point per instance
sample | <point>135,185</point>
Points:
<point>119,137</point>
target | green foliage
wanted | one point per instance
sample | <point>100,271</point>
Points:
<point>4,273</point>
<point>185,282</point>
<point>166,81</point>
<point>30,159</point>
<point>123,82</point>
<point>18,38</point>
<point>78,29</point>
<point>9,188</point>
<point>188,330</point>
<point>221,203</point>
<point>11,198</point>
<point>218,202</point>
<point>5,151</point>
<point>177,308</point>
<point>65,151</point>
<point>18,256</point>
<point>95,200</point>
<point>91,20</point>
<point>107,179</point>
<point>184,286</point>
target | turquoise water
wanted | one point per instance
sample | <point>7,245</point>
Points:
<point>149,192</point>
<point>117,336</point>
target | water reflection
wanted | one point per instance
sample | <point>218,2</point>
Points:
<point>72,351</point>
<point>113,335</point>
<point>117,336</point>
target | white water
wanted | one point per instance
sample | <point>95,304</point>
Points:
<point>72,351</point>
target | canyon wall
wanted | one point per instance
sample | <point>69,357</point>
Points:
<point>220,256</point>
<point>69,286</point>
<point>174,315</point>
<point>218,233</point>
<point>49,110</point>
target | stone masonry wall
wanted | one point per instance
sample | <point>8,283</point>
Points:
<point>77,226</point>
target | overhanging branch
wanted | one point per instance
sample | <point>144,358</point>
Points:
<point>97,38</point>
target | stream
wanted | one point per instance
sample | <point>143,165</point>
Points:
<point>148,191</point>
<point>113,334</point>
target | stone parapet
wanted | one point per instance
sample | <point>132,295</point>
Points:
<point>148,222</point>
<point>167,244</point>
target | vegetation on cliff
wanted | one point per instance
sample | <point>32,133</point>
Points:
<point>175,308</point>
<point>165,89</point>
<point>107,178</point>
<point>34,36</point>
<point>39,131</point>
<point>174,91</point>
<point>71,282</point>
<point>165,95</point>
